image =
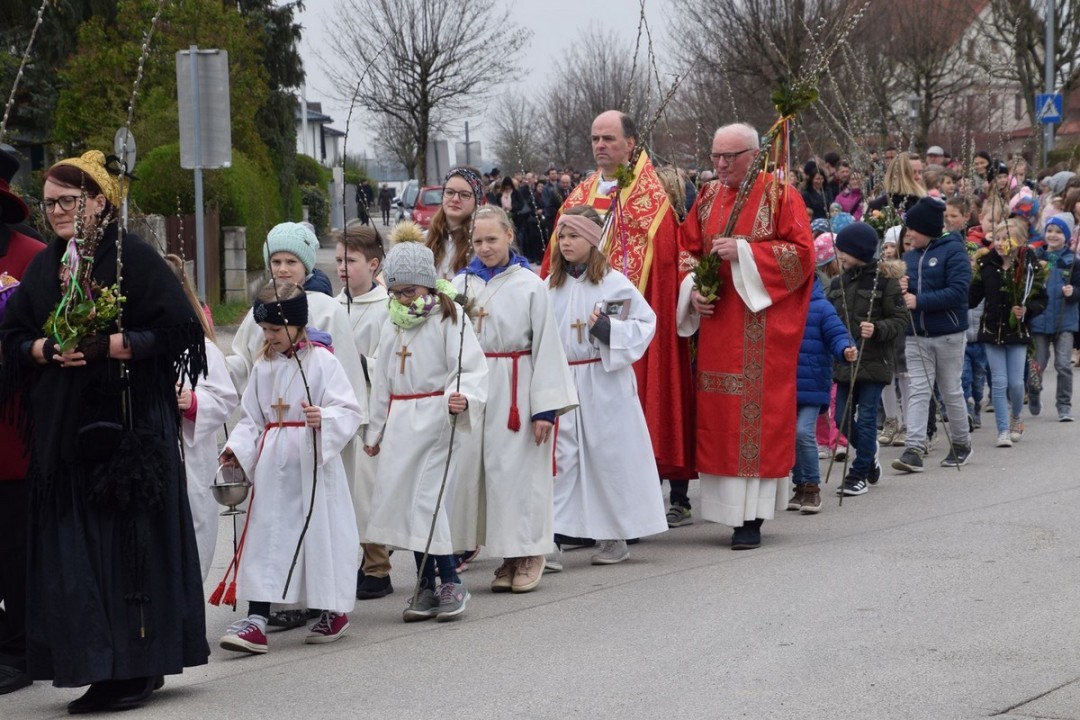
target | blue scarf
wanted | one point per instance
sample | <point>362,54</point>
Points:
<point>477,267</point>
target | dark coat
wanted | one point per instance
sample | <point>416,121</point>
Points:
<point>854,293</point>
<point>939,276</point>
<point>824,339</point>
<point>989,283</point>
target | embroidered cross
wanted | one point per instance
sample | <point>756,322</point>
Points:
<point>480,319</point>
<point>403,353</point>
<point>579,326</point>
<point>280,407</point>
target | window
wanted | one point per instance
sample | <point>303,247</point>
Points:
<point>432,197</point>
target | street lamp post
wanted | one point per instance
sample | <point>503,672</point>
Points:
<point>913,117</point>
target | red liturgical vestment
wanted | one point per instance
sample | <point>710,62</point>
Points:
<point>748,349</point>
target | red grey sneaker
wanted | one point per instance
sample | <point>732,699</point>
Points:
<point>452,600</point>
<point>244,636</point>
<point>330,627</point>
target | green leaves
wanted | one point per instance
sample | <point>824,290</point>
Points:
<point>707,279</point>
<point>792,99</point>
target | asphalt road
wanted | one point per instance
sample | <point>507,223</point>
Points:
<point>948,594</point>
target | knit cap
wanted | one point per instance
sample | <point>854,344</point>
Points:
<point>292,238</point>
<point>818,226</point>
<point>841,221</point>
<point>409,263</point>
<point>927,217</point>
<point>892,235</point>
<point>1064,222</point>
<point>858,240</point>
<point>824,250</point>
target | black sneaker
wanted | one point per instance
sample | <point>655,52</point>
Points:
<point>853,486</point>
<point>958,456</point>
<point>910,461</point>
<point>875,473</point>
<point>372,588</point>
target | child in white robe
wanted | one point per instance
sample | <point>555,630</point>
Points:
<point>606,482</point>
<point>419,402</point>
<point>359,254</point>
<point>299,413</point>
<point>204,412</point>
<point>290,252</point>
<point>528,379</point>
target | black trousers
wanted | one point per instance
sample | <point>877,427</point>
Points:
<point>13,512</point>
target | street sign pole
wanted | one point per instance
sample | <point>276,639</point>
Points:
<point>200,231</point>
<point>1048,127</point>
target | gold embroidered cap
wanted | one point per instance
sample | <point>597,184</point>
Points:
<point>93,164</point>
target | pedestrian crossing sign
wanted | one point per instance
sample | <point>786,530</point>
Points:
<point>1048,108</point>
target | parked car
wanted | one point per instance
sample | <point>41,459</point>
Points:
<point>427,204</point>
<point>407,200</point>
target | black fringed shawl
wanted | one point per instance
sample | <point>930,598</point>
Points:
<point>56,402</point>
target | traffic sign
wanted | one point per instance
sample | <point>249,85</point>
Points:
<point>1048,108</point>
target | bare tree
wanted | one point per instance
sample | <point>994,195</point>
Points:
<point>397,141</point>
<point>517,142</point>
<point>444,55</point>
<point>1020,25</point>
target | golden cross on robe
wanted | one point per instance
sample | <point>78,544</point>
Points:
<point>403,353</point>
<point>579,326</point>
<point>280,407</point>
<point>480,319</point>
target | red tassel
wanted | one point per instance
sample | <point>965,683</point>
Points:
<point>515,419</point>
<point>215,597</point>
<point>230,594</point>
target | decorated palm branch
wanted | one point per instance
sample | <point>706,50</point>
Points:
<point>773,156</point>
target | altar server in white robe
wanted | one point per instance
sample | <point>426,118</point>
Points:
<point>415,405</point>
<point>204,412</point>
<point>299,412</point>
<point>529,385</point>
<point>606,482</point>
<point>358,255</point>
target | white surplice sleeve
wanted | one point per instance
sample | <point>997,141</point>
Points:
<point>215,399</point>
<point>552,388</point>
<point>474,383</point>
<point>630,338</point>
<point>341,413</point>
<point>687,320</point>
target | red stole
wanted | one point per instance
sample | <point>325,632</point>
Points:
<point>642,243</point>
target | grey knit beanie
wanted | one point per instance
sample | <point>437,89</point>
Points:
<point>409,263</point>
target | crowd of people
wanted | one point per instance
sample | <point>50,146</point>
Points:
<point>522,378</point>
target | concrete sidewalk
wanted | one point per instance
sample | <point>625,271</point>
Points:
<point>947,594</point>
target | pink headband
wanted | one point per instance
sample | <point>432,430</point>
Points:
<point>584,227</point>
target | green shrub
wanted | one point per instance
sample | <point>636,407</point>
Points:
<point>318,205</point>
<point>310,172</point>
<point>245,194</point>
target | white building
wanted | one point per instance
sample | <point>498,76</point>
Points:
<point>322,141</point>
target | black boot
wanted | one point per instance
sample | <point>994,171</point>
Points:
<point>747,536</point>
<point>97,697</point>
<point>136,692</point>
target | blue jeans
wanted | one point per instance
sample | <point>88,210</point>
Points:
<point>861,430</point>
<point>447,565</point>
<point>974,377</point>
<point>806,470</point>
<point>1007,365</point>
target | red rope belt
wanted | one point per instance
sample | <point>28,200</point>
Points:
<point>414,396</point>
<point>584,362</point>
<point>234,565</point>
<point>514,421</point>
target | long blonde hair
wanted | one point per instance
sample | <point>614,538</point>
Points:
<point>900,178</point>
<point>177,265</point>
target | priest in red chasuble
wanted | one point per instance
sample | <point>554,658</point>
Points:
<point>749,335</point>
<point>641,241</point>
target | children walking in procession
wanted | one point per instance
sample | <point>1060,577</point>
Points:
<point>359,254</point>
<point>204,412</point>
<point>825,338</point>
<point>299,413</point>
<point>1056,327</point>
<point>428,391</point>
<point>867,296</point>
<point>1012,281</point>
<point>529,385</point>
<point>606,483</point>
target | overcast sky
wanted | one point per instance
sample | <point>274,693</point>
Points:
<point>556,24</point>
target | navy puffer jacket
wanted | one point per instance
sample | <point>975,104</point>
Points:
<point>824,339</point>
<point>939,277</point>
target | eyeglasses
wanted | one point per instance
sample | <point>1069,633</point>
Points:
<point>729,157</point>
<point>66,203</point>
<point>408,292</point>
<point>463,194</point>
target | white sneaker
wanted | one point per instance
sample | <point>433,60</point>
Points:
<point>1003,440</point>
<point>822,452</point>
<point>611,552</point>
